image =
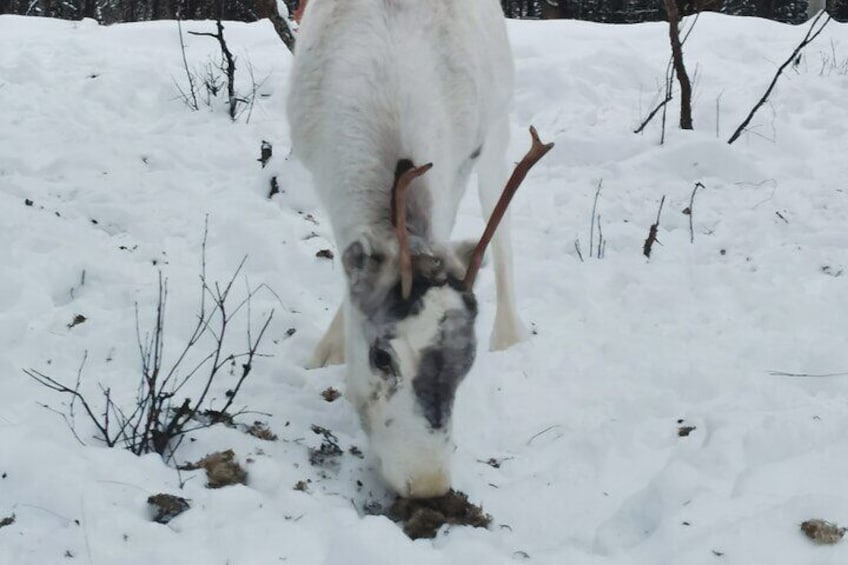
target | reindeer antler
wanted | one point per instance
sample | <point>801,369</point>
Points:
<point>405,173</point>
<point>536,152</point>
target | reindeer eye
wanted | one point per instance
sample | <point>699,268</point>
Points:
<point>381,359</point>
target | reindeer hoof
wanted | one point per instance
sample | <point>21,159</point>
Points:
<point>506,334</point>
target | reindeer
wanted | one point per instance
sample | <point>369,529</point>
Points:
<point>378,86</point>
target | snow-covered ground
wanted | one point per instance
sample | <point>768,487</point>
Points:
<point>583,417</point>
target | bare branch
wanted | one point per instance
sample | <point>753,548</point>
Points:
<point>193,103</point>
<point>68,421</point>
<point>652,233</point>
<point>599,254</point>
<point>53,384</point>
<point>668,98</point>
<point>577,249</point>
<point>594,216</point>
<point>157,423</point>
<point>690,211</point>
<point>248,365</point>
<point>229,70</point>
<point>812,33</point>
<point>810,375</point>
<point>268,9</point>
<point>669,76</point>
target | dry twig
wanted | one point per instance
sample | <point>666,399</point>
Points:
<point>594,217</point>
<point>191,102</point>
<point>652,233</point>
<point>807,375</point>
<point>814,30</point>
<point>230,69</point>
<point>158,421</point>
<point>690,210</point>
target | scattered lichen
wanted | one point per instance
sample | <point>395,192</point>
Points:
<point>823,532</point>
<point>330,394</point>
<point>328,452</point>
<point>261,431</point>
<point>166,507</point>
<point>422,518</point>
<point>221,469</point>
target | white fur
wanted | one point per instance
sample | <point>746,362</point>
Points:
<point>413,463</point>
<point>375,81</point>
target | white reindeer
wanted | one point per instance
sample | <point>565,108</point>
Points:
<point>377,86</point>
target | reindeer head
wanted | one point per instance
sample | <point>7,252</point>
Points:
<point>410,337</point>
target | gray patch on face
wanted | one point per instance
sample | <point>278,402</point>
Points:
<point>374,285</point>
<point>375,291</point>
<point>444,365</point>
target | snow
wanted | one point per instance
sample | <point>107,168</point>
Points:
<point>583,417</point>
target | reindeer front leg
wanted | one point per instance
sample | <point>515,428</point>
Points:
<point>508,329</point>
<point>331,349</point>
<point>492,175</point>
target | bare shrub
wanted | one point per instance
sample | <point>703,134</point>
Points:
<point>816,27</point>
<point>206,83</point>
<point>159,418</point>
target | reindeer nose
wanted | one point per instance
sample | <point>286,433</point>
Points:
<point>428,485</point>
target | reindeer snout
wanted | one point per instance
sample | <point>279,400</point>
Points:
<point>428,485</point>
<point>423,473</point>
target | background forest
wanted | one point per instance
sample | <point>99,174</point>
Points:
<point>610,11</point>
<point>681,263</point>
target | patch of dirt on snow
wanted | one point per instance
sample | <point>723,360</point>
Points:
<point>684,429</point>
<point>327,454</point>
<point>260,430</point>
<point>166,507</point>
<point>823,532</point>
<point>330,394</point>
<point>78,319</point>
<point>422,518</point>
<point>221,469</point>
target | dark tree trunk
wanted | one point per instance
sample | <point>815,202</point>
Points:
<point>268,9</point>
<point>765,9</point>
<point>679,67</point>
<point>89,9</point>
<point>554,9</point>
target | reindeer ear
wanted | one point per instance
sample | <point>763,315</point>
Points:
<point>354,258</point>
<point>367,276</point>
<point>362,262</point>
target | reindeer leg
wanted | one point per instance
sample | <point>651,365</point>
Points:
<point>331,349</point>
<point>492,175</point>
